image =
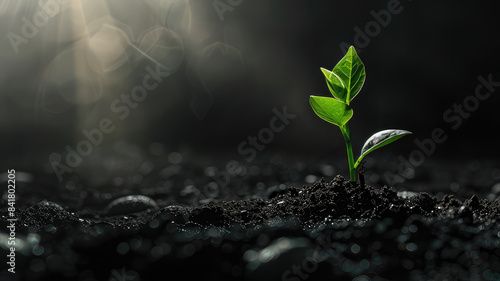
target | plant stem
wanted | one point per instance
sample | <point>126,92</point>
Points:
<point>350,157</point>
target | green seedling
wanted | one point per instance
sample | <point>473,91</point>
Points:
<point>345,81</point>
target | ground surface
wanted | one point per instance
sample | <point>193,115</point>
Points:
<point>255,222</point>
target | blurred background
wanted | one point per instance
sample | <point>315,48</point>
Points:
<point>185,80</point>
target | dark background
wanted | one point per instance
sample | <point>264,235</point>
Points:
<point>228,75</point>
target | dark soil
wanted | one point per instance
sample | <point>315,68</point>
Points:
<point>330,230</point>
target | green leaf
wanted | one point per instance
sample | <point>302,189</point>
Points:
<point>335,84</point>
<point>380,139</point>
<point>351,70</point>
<point>331,110</point>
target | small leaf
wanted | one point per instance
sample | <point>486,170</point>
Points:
<point>331,110</point>
<point>335,84</point>
<point>351,70</point>
<point>380,139</point>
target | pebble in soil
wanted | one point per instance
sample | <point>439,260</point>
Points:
<point>131,204</point>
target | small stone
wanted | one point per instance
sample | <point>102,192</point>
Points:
<point>278,257</point>
<point>131,204</point>
<point>173,213</point>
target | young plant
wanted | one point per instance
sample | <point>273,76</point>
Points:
<point>344,82</point>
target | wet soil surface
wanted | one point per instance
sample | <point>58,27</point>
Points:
<point>330,229</point>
